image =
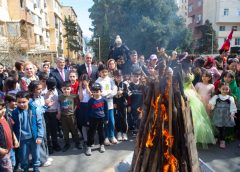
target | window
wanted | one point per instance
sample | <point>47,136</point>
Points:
<point>39,22</point>
<point>1,30</point>
<point>190,8</point>
<point>226,12</point>
<point>221,28</point>
<point>21,3</point>
<point>199,18</point>
<point>237,41</point>
<point>234,28</point>
<point>199,3</point>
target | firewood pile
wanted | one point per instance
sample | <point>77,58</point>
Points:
<point>165,141</point>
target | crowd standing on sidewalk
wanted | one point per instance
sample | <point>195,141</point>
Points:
<point>40,105</point>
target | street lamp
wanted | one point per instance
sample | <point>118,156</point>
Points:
<point>212,41</point>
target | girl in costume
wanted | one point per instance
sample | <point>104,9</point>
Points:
<point>205,89</point>
<point>224,110</point>
<point>203,129</point>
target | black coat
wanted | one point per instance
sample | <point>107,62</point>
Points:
<point>55,73</point>
<point>81,69</point>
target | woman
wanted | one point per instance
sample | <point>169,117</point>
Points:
<point>29,75</point>
<point>112,66</point>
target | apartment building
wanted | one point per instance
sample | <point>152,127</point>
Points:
<point>4,17</point>
<point>183,10</point>
<point>223,14</point>
<point>68,11</point>
<point>55,26</point>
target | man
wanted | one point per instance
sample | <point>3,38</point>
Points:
<point>133,65</point>
<point>88,68</point>
<point>60,73</point>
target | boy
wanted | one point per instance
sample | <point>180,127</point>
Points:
<point>135,101</point>
<point>28,129</point>
<point>66,114</point>
<point>7,140</point>
<point>98,116</point>
<point>109,90</point>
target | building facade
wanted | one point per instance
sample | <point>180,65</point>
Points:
<point>223,14</point>
<point>183,10</point>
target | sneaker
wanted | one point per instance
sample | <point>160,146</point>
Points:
<point>102,149</point>
<point>78,146</point>
<point>222,144</point>
<point>113,140</point>
<point>47,163</point>
<point>107,142</point>
<point>88,151</point>
<point>124,136</point>
<point>119,136</point>
<point>50,159</point>
<point>66,147</point>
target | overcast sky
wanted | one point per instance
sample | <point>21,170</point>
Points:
<point>81,8</point>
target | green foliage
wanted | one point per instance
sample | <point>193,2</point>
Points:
<point>143,25</point>
<point>71,34</point>
<point>204,44</point>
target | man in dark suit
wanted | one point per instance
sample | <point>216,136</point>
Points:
<point>60,73</point>
<point>88,68</point>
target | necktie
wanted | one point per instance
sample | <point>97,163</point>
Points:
<point>89,71</point>
<point>62,75</point>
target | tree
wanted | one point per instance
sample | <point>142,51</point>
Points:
<point>208,40</point>
<point>71,35</point>
<point>143,25</point>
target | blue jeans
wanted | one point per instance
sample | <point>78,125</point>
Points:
<point>5,163</point>
<point>109,128</point>
<point>12,157</point>
<point>25,147</point>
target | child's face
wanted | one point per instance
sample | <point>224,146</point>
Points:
<point>43,82</point>
<point>227,79</point>
<point>224,90</point>
<point>135,78</point>
<point>205,78</point>
<point>118,78</point>
<point>12,104</point>
<point>233,66</point>
<point>22,103</point>
<point>38,90</point>
<point>111,65</point>
<point>96,94</point>
<point>45,68</point>
<point>72,77</point>
<point>103,73</point>
<point>85,83</point>
<point>66,91</point>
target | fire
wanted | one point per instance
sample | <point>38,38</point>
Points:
<point>171,161</point>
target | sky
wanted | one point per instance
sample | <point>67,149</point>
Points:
<point>81,8</point>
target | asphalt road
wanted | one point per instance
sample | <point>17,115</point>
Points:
<point>73,160</point>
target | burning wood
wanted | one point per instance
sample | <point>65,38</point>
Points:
<point>162,144</point>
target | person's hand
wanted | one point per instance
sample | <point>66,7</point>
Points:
<point>16,143</point>
<point>211,107</point>
<point>48,102</point>
<point>120,92</point>
<point>3,152</point>
<point>39,141</point>
<point>106,122</point>
<point>129,109</point>
<point>88,123</point>
<point>58,116</point>
<point>232,116</point>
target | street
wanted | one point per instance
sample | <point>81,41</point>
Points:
<point>76,161</point>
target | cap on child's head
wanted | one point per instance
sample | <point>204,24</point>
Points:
<point>51,83</point>
<point>96,87</point>
<point>102,67</point>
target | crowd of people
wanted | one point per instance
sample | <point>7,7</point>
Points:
<point>40,105</point>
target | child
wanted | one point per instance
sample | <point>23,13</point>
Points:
<point>109,90</point>
<point>43,78</point>
<point>67,108</point>
<point>51,115</point>
<point>10,86</point>
<point>73,78</point>
<point>29,130</point>
<point>8,140</point>
<point>135,101</point>
<point>120,106</point>
<point>98,116</point>
<point>205,89</point>
<point>35,89</point>
<point>224,110</point>
<point>82,112</point>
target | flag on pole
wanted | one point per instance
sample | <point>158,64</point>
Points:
<point>226,45</point>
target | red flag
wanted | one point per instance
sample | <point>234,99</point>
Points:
<point>226,45</point>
